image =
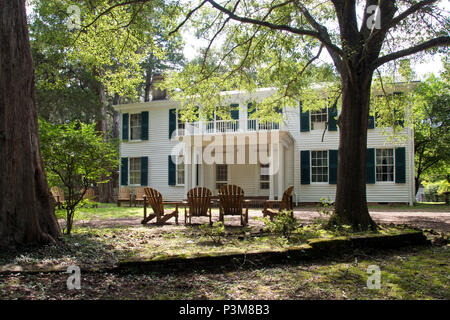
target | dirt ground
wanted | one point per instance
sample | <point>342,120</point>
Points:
<point>436,220</point>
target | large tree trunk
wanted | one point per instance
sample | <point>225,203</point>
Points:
<point>351,204</point>
<point>115,135</point>
<point>105,190</point>
<point>148,84</point>
<point>26,209</point>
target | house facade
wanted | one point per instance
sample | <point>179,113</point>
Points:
<point>160,151</point>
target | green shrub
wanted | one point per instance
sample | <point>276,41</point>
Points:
<point>324,209</point>
<point>75,156</point>
<point>436,191</point>
<point>283,224</point>
<point>215,231</point>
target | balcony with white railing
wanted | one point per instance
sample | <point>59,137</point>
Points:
<point>227,126</point>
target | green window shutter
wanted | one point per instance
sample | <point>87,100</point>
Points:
<point>250,109</point>
<point>371,123</point>
<point>125,126</point>
<point>305,175</point>
<point>279,109</point>
<point>235,111</point>
<point>144,171</point>
<point>124,171</point>
<point>172,172</point>
<point>235,114</point>
<point>370,166</point>
<point>144,131</point>
<point>332,118</point>
<point>172,121</point>
<point>400,122</point>
<point>304,120</point>
<point>400,165</point>
<point>251,125</point>
<point>333,166</point>
<point>197,174</point>
<point>197,112</point>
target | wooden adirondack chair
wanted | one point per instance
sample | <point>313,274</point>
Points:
<point>154,198</point>
<point>139,194</point>
<point>58,196</point>
<point>231,203</point>
<point>124,195</point>
<point>284,204</point>
<point>199,204</point>
<point>90,196</point>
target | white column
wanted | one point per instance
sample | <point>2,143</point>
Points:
<point>194,168</point>
<point>271,171</point>
<point>187,159</point>
<point>280,171</point>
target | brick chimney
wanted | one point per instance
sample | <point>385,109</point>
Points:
<point>158,94</point>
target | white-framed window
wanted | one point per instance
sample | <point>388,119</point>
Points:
<point>135,171</point>
<point>384,161</point>
<point>135,126</point>
<point>319,115</point>
<point>319,166</point>
<point>264,177</point>
<point>318,119</point>
<point>181,125</point>
<point>221,175</point>
<point>180,170</point>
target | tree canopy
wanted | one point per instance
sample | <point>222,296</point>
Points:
<point>278,44</point>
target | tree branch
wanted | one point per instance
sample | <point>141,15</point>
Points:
<point>436,42</point>
<point>273,26</point>
<point>397,19</point>
<point>190,13</point>
<point>334,51</point>
<point>111,8</point>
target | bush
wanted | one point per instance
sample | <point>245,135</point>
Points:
<point>75,157</point>
<point>215,231</point>
<point>324,209</point>
<point>436,191</point>
<point>283,224</point>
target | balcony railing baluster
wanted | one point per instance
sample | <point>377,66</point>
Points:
<point>227,126</point>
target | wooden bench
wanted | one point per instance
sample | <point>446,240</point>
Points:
<point>138,197</point>
<point>124,195</point>
<point>58,196</point>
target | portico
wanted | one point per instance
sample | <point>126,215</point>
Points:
<point>260,163</point>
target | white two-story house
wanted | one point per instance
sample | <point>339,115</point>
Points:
<point>160,151</point>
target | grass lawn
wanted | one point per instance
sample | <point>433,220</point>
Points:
<point>411,273</point>
<point>104,211</point>
<point>93,248</point>
<point>111,211</point>
<point>417,273</point>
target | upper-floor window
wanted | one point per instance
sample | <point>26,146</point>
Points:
<point>135,126</point>
<point>264,176</point>
<point>135,171</point>
<point>180,125</point>
<point>221,175</point>
<point>384,164</point>
<point>319,166</point>
<point>319,116</point>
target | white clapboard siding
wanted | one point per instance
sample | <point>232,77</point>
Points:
<point>312,140</point>
<point>157,149</point>
<point>159,146</point>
